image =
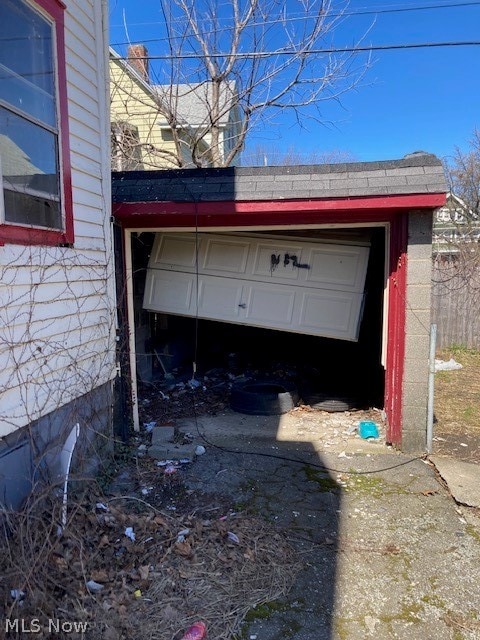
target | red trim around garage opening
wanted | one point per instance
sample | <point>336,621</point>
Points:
<point>397,296</point>
<point>374,210</point>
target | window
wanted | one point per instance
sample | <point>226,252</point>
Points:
<point>34,153</point>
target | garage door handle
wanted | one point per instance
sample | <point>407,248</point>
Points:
<point>242,305</point>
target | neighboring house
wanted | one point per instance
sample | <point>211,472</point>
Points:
<point>193,103</point>
<point>454,225</point>
<point>165,126</point>
<point>339,255</point>
<point>57,301</point>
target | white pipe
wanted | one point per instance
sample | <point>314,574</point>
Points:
<point>431,386</point>
<point>131,327</point>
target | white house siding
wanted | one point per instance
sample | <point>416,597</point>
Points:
<point>57,307</point>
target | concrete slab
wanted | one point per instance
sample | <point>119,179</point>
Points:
<point>164,446</point>
<point>315,430</point>
<point>377,532</point>
<point>161,435</point>
<point>462,478</point>
<point>172,451</point>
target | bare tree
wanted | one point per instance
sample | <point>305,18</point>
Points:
<point>464,176</point>
<point>456,273</point>
<point>462,212</point>
<point>230,66</point>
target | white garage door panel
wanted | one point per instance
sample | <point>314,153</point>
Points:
<point>174,251</point>
<point>282,272</point>
<point>225,256</point>
<point>336,315</point>
<point>219,298</point>
<point>270,306</point>
<point>310,286</point>
<point>339,268</point>
<point>172,288</point>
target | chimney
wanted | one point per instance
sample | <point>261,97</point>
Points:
<point>138,59</point>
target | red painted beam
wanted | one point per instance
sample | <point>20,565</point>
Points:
<point>186,214</point>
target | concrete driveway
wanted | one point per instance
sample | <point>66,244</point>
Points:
<point>386,551</point>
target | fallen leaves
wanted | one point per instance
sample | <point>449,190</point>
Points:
<point>96,572</point>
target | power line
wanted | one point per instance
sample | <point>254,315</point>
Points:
<point>361,12</point>
<point>270,54</point>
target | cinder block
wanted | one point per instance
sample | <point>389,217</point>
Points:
<point>420,250</point>
<point>419,272</point>
<point>416,371</point>
<point>418,323</point>
<point>415,394</point>
<point>162,435</point>
<point>417,348</point>
<point>419,297</point>
<point>414,441</point>
<point>419,225</point>
<point>414,418</point>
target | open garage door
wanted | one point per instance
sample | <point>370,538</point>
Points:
<point>314,287</point>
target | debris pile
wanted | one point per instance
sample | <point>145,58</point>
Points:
<point>126,569</point>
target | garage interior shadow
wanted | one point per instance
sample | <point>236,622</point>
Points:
<point>331,367</point>
<point>299,496</point>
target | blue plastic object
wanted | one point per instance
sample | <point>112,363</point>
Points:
<point>368,430</point>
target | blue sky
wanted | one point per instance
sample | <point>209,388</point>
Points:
<point>426,98</point>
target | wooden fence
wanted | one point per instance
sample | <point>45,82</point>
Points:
<point>456,300</point>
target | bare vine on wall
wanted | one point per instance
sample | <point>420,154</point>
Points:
<point>57,340</point>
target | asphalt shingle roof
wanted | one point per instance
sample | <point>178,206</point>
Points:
<point>417,173</point>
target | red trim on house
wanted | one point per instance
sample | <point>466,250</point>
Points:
<point>397,296</point>
<point>12,234</point>
<point>64,131</point>
<point>136,215</point>
<point>19,234</point>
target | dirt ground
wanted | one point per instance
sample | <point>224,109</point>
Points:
<point>457,407</point>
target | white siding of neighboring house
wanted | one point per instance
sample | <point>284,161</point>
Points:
<point>57,310</point>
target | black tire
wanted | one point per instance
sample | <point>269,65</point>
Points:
<point>332,404</point>
<point>264,397</point>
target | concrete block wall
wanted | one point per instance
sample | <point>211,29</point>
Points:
<point>415,379</point>
<point>30,457</point>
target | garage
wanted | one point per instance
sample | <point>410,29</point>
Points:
<point>304,265</point>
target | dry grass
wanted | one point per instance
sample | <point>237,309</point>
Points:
<point>457,404</point>
<point>154,587</point>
